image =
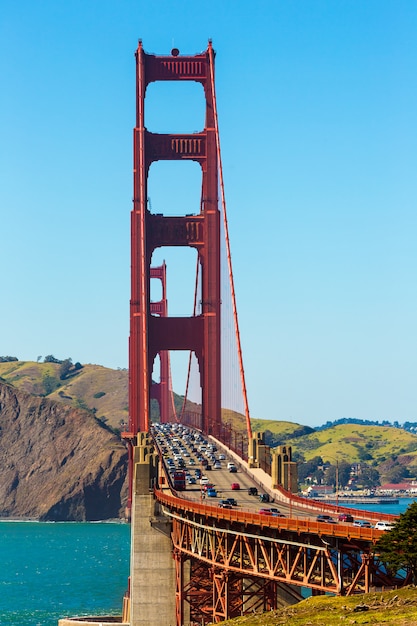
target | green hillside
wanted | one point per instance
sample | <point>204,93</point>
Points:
<point>98,389</point>
<point>354,443</point>
<point>282,429</point>
<point>385,448</point>
<point>104,392</point>
<point>389,607</point>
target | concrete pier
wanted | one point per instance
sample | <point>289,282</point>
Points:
<point>152,567</point>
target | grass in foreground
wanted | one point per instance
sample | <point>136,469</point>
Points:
<point>397,607</point>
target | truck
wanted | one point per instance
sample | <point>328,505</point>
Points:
<point>178,480</point>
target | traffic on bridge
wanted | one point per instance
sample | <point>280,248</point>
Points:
<point>202,469</point>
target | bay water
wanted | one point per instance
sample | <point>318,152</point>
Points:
<point>53,570</point>
<point>391,508</point>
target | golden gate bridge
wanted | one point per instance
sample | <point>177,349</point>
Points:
<point>193,563</point>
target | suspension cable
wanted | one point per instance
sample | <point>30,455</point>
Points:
<point>229,257</point>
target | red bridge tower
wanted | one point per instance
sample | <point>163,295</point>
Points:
<point>150,334</point>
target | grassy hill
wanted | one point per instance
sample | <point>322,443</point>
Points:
<point>284,430</point>
<point>377,446</point>
<point>355,442</point>
<point>104,392</point>
<point>390,607</point>
<point>98,389</point>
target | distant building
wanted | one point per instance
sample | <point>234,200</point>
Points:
<point>396,488</point>
<point>320,491</point>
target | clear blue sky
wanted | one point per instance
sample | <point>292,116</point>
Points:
<point>317,106</point>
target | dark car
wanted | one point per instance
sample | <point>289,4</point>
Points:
<point>345,517</point>
<point>231,501</point>
<point>327,519</point>
<point>252,491</point>
<point>264,497</point>
<point>275,512</point>
<point>265,512</point>
<point>224,504</point>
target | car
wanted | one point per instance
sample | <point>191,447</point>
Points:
<point>191,480</point>
<point>204,480</point>
<point>265,512</point>
<point>264,497</point>
<point>211,493</point>
<point>231,501</point>
<point>363,523</point>
<point>252,491</point>
<point>225,504</point>
<point>233,469</point>
<point>208,467</point>
<point>345,517</point>
<point>327,519</point>
<point>230,464</point>
<point>222,457</point>
<point>197,473</point>
<point>217,465</point>
<point>235,486</point>
<point>384,525</point>
<point>275,511</point>
<point>207,486</point>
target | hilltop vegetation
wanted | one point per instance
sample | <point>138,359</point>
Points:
<point>392,451</point>
<point>104,393</point>
<point>391,607</point>
<point>94,388</point>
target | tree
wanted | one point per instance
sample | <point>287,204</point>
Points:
<point>343,472</point>
<point>51,359</point>
<point>65,369</point>
<point>309,468</point>
<point>397,473</point>
<point>369,477</point>
<point>398,547</point>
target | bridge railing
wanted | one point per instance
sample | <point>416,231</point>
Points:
<point>293,524</point>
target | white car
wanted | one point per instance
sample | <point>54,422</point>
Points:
<point>204,480</point>
<point>384,525</point>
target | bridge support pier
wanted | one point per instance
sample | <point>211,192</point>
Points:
<point>152,568</point>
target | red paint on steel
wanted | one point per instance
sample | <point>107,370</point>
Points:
<point>149,335</point>
<point>162,391</point>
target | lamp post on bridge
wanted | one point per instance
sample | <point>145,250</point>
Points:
<point>336,480</point>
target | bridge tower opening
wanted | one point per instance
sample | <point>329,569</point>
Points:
<point>151,334</point>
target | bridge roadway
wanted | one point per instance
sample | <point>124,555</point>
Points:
<point>298,514</point>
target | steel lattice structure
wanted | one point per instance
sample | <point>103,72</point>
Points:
<point>229,565</point>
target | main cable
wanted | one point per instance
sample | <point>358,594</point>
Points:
<point>229,258</point>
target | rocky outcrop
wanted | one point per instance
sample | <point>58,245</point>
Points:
<point>56,462</point>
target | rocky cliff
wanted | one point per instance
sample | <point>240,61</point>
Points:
<point>57,462</point>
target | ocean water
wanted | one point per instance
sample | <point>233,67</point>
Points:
<point>53,570</point>
<point>392,509</point>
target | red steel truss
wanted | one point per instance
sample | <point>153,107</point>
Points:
<point>230,563</point>
<point>150,334</point>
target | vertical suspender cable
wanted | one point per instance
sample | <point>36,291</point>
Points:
<point>229,258</point>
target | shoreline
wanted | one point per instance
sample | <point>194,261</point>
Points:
<point>341,500</point>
